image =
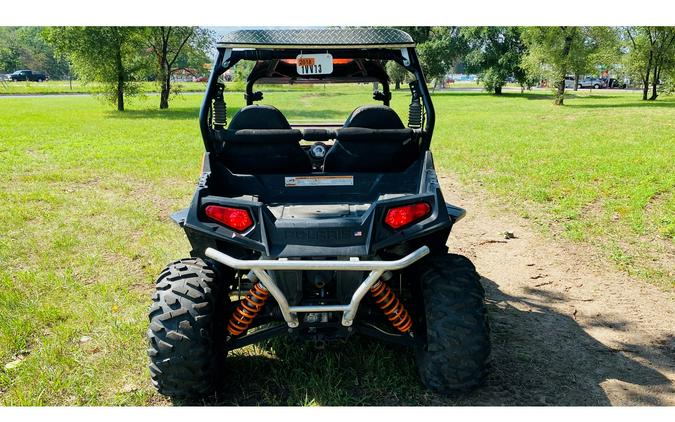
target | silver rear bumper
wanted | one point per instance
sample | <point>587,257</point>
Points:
<point>260,268</point>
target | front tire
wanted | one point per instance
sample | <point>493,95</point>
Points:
<point>186,334</point>
<point>456,354</point>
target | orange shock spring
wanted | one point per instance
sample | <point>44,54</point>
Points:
<point>391,306</point>
<point>247,310</point>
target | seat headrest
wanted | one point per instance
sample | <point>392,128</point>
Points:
<point>374,117</point>
<point>259,116</point>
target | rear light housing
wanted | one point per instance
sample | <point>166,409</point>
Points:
<point>237,219</point>
<point>404,215</point>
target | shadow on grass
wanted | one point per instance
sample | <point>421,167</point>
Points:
<point>192,113</point>
<point>173,113</point>
<point>529,95</point>
<point>633,104</point>
<point>540,357</point>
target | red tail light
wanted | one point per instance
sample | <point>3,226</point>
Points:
<point>402,216</point>
<point>235,218</point>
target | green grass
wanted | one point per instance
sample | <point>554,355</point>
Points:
<point>86,194</point>
<point>78,87</point>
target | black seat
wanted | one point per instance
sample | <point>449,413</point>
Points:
<point>374,117</point>
<point>373,139</point>
<point>259,140</point>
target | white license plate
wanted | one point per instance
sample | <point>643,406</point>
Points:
<point>314,64</point>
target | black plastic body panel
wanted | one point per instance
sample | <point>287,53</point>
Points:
<point>358,234</point>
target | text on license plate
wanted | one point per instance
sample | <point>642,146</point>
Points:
<point>314,64</point>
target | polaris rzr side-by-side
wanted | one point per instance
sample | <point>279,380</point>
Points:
<point>319,232</point>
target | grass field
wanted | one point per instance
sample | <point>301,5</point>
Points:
<point>78,87</point>
<point>87,192</point>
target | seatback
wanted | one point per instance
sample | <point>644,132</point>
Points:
<point>373,139</point>
<point>259,140</point>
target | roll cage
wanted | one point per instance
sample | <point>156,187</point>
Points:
<point>274,52</point>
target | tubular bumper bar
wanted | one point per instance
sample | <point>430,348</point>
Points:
<point>290,313</point>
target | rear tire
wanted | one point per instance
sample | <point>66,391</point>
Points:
<point>186,332</point>
<point>456,355</point>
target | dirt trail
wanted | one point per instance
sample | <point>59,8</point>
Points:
<point>567,328</point>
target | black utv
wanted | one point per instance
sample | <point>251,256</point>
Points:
<point>319,232</point>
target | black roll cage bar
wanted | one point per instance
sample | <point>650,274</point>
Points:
<point>227,58</point>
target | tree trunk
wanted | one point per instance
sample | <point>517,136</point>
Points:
<point>576,81</point>
<point>166,89</point>
<point>498,90</point>
<point>397,85</point>
<point>560,92</point>
<point>655,81</point>
<point>120,80</point>
<point>645,80</point>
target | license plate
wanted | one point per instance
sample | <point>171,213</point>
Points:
<point>314,64</point>
<point>300,181</point>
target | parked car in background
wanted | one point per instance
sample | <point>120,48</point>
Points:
<point>28,75</point>
<point>569,81</point>
<point>616,83</point>
<point>596,83</point>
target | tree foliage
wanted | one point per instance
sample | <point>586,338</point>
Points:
<point>650,55</point>
<point>494,52</point>
<point>550,52</point>
<point>440,51</point>
<point>176,47</point>
<point>24,48</point>
<point>106,54</point>
<point>596,48</point>
<point>397,73</point>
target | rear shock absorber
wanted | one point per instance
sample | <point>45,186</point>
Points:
<point>219,108</point>
<point>247,310</point>
<point>386,300</point>
<point>415,108</point>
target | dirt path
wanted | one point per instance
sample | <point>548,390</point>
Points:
<point>566,328</point>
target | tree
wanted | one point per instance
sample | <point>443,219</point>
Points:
<point>440,51</point>
<point>397,73</point>
<point>172,44</point>
<point>495,53</point>
<point>650,55</point>
<point>24,48</point>
<point>551,49</point>
<point>107,54</point>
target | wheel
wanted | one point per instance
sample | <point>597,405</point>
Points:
<point>40,80</point>
<point>457,350</point>
<point>596,86</point>
<point>579,86</point>
<point>186,331</point>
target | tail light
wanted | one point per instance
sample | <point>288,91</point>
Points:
<point>404,215</point>
<point>235,218</point>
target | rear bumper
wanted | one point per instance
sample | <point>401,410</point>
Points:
<point>260,268</point>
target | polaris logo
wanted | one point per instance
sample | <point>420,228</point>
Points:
<point>330,234</point>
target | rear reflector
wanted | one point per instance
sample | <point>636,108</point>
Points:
<point>235,218</point>
<point>407,214</point>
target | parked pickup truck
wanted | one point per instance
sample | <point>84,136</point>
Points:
<point>28,75</point>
